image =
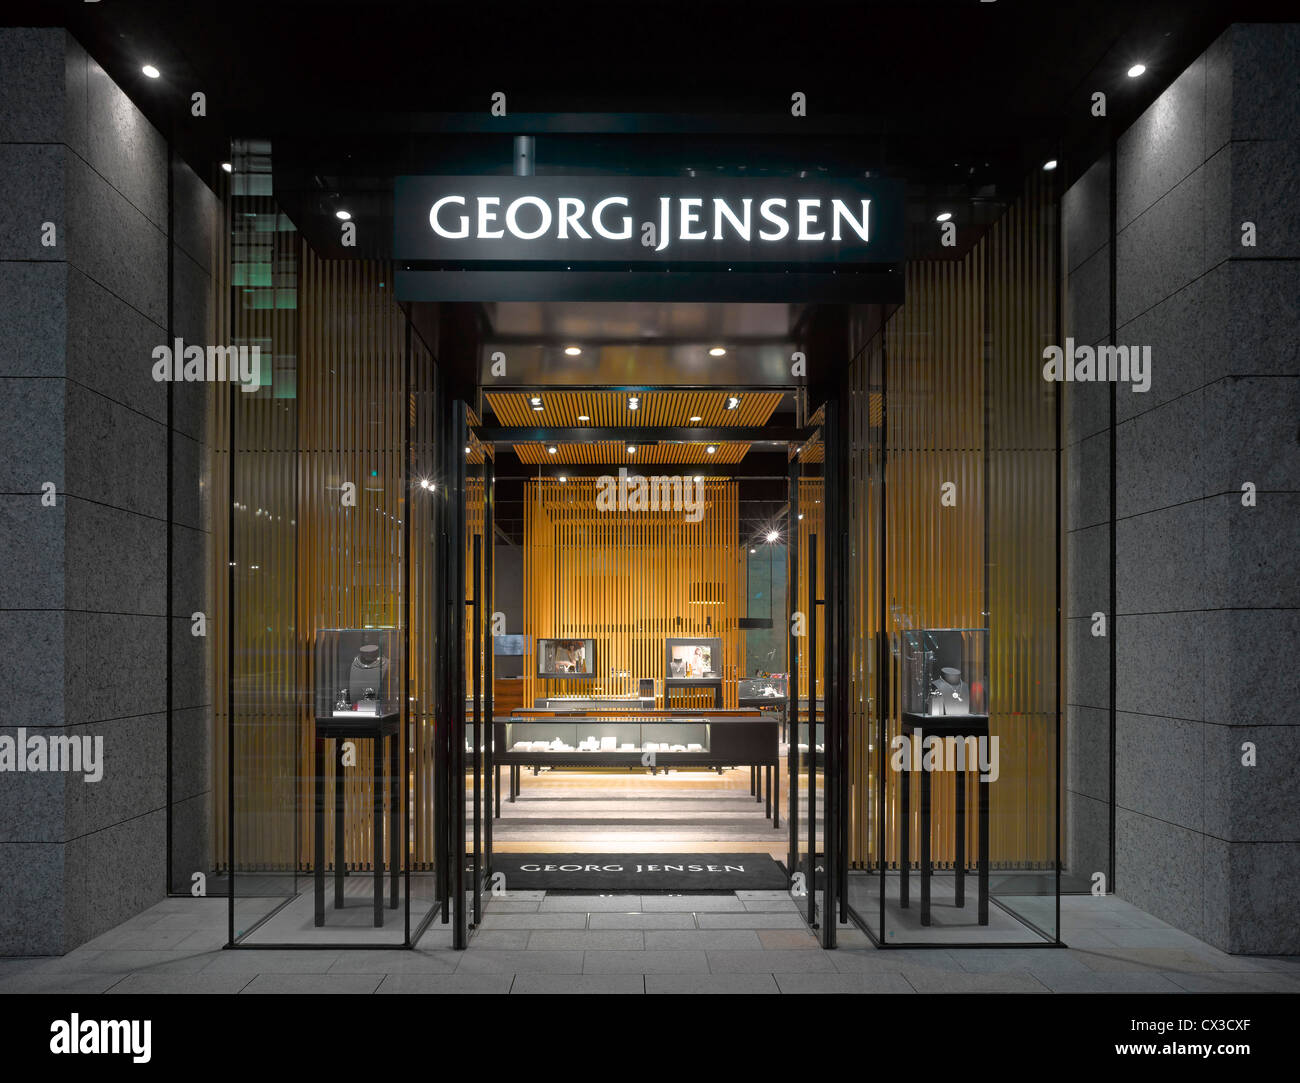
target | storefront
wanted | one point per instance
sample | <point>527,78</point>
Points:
<point>645,502</point>
<point>653,491</point>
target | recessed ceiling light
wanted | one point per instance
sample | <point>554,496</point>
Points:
<point>573,351</point>
<point>227,167</point>
<point>801,515</point>
<point>717,351</point>
<point>633,402</point>
<point>733,401</point>
<point>772,536</point>
<point>583,417</point>
<point>631,450</point>
<point>1136,70</point>
<point>699,477</point>
<point>710,449</point>
<point>563,478</point>
<point>944,217</point>
<point>151,71</point>
<point>343,215</point>
<point>467,451</point>
<point>753,550</point>
<point>696,417</point>
<point>1049,165</point>
<point>552,450</point>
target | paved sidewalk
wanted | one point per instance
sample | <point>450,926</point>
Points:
<point>750,942</point>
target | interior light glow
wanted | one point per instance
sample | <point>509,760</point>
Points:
<point>343,216</point>
<point>1136,70</point>
<point>551,450</point>
<point>710,449</point>
<point>1049,165</point>
<point>717,351</point>
<point>573,351</point>
<point>772,535</point>
<point>151,71</point>
<point>227,167</point>
<point>631,450</point>
<point>944,217</point>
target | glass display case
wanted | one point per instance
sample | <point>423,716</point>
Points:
<point>603,738</point>
<point>693,658</point>
<point>762,691</point>
<point>356,672</point>
<point>945,672</point>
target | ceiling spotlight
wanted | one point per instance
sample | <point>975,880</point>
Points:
<point>424,483</point>
<point>801,515</point>
<point>552,450</point>
<point>466,450</point>
<point>151,71</point>
<point>696,417</point>
<point>563,478</point>
<point>1049,165</point>
<point>733,401</point>
<point>633,402</point>
<point>583,417</point>
<point>710,449</point>
<point>772,535</point>
<point>343,216</point>
<point>573,351</point>
<point>631,450</point>
<point>699,477</point>
<point>227,167</point>
<point>753,550</point>
<point>1133,72</point>
<point>944,217</point>
<point>717,351</point>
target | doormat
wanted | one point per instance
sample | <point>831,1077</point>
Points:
<point>640,873</point>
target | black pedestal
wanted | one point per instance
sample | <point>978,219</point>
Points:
<point>942,726</point>
<point>359,727</point>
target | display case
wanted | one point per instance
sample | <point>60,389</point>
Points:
<point>945,672</point>
<point>566,659</point>
<point>573,739</point>
<point>693,658</point>
<point>762,691</point>
<point>356,672</point>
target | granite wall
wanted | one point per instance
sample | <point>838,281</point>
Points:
<point>84,599</point>
<point>1206,614</point>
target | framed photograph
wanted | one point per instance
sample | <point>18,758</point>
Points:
<point>693,659</point>
<point>566,659</point>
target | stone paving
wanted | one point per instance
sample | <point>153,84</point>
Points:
<point>749,942</point>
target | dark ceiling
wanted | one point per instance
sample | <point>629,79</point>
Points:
<point>960,99</point>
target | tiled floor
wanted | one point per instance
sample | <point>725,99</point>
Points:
<point>750,942</point>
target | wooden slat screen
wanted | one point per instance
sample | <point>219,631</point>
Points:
<point>630,580</point>
<point>966,347</point>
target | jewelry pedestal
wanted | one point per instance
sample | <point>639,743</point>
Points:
<point>941,726</point>
<point>358,727</point>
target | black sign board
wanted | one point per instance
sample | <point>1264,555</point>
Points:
<point>647,220</point>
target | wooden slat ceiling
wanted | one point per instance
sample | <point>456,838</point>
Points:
<point>609,408</point>
<point>616,453</point>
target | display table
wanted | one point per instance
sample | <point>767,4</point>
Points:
<point>700,738</point>
<point>942,726</point>
<point>356,726</point>
<point>682,684</point>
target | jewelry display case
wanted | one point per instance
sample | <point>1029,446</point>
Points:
<point>945,672</point>
<point>356,672</point>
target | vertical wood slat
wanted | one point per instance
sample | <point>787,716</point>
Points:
<point>968,340</point>
<point>629,580</point>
